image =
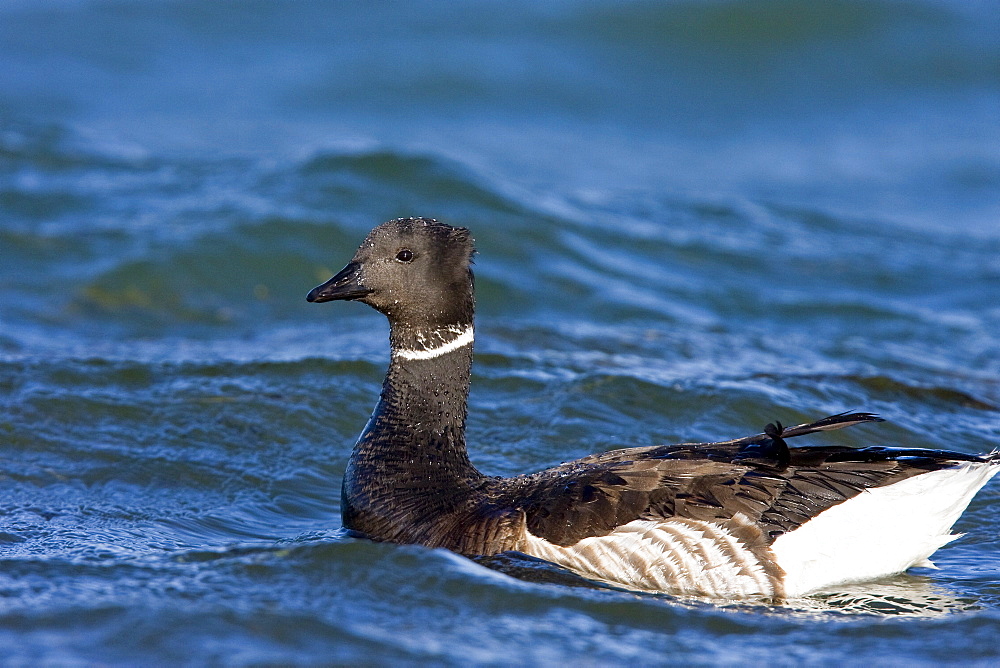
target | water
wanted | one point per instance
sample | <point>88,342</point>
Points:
<point>693,218</point>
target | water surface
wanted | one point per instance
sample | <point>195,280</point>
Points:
<point>693,219</point>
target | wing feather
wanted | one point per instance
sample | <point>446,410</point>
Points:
<point>712,482</point>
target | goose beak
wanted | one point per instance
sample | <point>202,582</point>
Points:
<point>345,285</point>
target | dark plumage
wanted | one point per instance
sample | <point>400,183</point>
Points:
<point>409,479</point>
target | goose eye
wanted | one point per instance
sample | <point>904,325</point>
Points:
<point>405,255</point>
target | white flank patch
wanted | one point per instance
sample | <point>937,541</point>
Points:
<point>881,531</point>
<point>464,338</point>
<point>679,556</point>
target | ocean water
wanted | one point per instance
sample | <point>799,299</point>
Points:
<point>692,218</point>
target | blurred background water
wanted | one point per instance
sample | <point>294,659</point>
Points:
<point>693,218</point>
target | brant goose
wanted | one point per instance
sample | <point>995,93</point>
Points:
<point>750,517</point>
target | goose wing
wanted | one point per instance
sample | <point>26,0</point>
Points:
<point>757,478</point>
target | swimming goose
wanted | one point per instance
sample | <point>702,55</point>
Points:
<point>745,518</point>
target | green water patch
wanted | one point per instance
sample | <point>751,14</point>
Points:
<point>394,175</point>
<point>253,272</point>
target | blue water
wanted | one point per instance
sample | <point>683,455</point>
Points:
<point>693,218</point>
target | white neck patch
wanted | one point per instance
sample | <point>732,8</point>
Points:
<point>437,344</point>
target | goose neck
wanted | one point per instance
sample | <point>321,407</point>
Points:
<point>421,413</point>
